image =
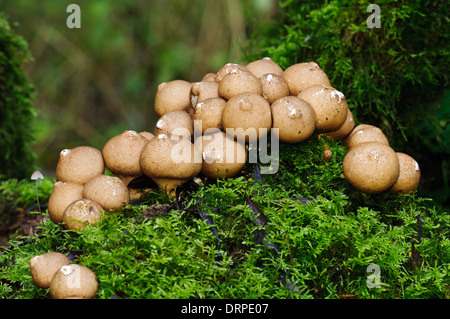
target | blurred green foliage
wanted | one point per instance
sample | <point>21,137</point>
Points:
<point>395,77</point>
<point>16,109</point>
<point>96,81</point>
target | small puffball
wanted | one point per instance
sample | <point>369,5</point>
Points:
<point>43,267</point>
<point>273,86</point>
<point>81,213</point>
<point>108,191</point>
<point>173,96</point>
<point>63,194</point>
<point>264,66</point>
<point>79,164</point>
<point>409,176</point>
<point>303,75</point>
<point>73,281</point>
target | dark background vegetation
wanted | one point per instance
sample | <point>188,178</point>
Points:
<point>92,83</point>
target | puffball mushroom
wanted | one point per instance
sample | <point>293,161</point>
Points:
<point>344,130</point>
<point>170,160</point>
<point>237,82</point>
<point>222,156</point>
<point>172,96</point>
<point>121,155</point>
<point>209,77</point>
<point>43,267</point>
<point>175,123</point>
<point>273,86</point>
<point>409,176</point>
<point>264,66</point>
<point>365,133</point>
<point>79,164</point>
<point>294,118</point>
<point>203,90</point>
<point>73,281</point>
<point>63,194</point>
<point>209,112</point>
<point>303,75</point>
<point>329,105</point>
<point>82,212</point>
<point>247,116</point>
<point>371,167</point>
<point>108,191</point>
<point>228,68</point>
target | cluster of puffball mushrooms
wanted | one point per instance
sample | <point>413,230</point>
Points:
<point>296,101</point>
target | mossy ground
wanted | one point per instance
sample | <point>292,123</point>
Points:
<point>303,232</point>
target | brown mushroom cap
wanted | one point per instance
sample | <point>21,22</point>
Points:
<point>73,281</point>
<point>108,191</point>
<point>209,112</point>
<point>237,82</point>
<point>344,130</point>
<point>247,116</point>
<point>264,66</point>
<point>409,176</point>
<point>365,133</point>
<point>371,167</point>
<point>121,155</point>
<point>329,105</point>
<point>43,267</point>
<point>170,160</point>
<point>79,164</point>
<point>303,75</point>
<point>63,194</point>
<point>294,118</point>
<point>172,96</point>
<point>222,156</point>
<point>81,213</point>
<point>228,68</point>
<point>209,77</point>
<point>273,86</point>
<point>175,123</point>
<point>201,91</point>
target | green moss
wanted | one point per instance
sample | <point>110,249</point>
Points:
<point>16,111</point>
<point>319,248</point>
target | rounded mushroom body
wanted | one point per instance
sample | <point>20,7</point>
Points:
<point>264,66</point>
<point>247,117</point>
<point>303,75</point>
<point>237,82</point>
<point>73,281</point>
<point>43,267</point>
<point>329,105</point>
<point>371,167</point>
<point>228,68</point>
<point>81,213</point>
<point>175,123</point>
<point>63,194</point>
<point>222,155</point>
<point>365,133</point>
<point>209,112</point>
<point>409,176</point>
<point>108,191</point>
<point>173,96</point>
<point>121,155</point>
<point>79,164</point>
<point>294,118</point>
<point>274,87</point>
<point>204,90</point>
<point>170,160</point>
